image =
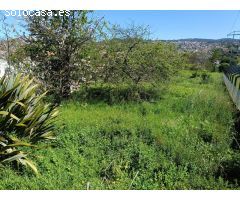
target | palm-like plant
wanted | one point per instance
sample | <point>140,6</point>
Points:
<point>24,118</point>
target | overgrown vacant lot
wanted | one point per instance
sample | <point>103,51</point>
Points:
<point>179,142</point>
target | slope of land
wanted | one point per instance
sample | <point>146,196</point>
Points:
<point>179,142</point>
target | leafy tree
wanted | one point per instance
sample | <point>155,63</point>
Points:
<point>52,44</point>
<point>152,62</point>
<point>215,58</point>
<point>198,60</point>
<point>128,56</point>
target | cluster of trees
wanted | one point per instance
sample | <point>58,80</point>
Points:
<point>222,59</point>
<point>196,60</point>
<point>76,48</point>
<point>215,60</point>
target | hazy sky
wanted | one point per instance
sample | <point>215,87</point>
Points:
<point>180,24</point>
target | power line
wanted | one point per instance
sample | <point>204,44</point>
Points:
<point>235,21</point>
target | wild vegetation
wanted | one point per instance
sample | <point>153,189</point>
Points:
<point>134,113</point>
<point>176,142</point>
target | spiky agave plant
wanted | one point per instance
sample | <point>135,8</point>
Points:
<point>24,118</point>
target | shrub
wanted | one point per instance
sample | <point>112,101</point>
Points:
<point>229,169</point>
<point>24,118</point>
<point>111,93</point>
<point>205,77</point>
<point>223,66</point>
<point>194,75</point>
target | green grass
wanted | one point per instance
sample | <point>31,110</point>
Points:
<point>178,142</point>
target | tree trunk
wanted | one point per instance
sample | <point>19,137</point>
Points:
<point>66,84</point>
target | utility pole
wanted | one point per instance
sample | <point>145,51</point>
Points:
<point>235,35</point>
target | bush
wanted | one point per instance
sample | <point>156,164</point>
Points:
<point>230,168</point>
<point>194,75</point>
<point>111,93</point>
<point>24,118</point>
<point>223,66</point>
<point>205,77</point>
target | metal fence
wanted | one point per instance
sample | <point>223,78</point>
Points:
<point>231,79</point>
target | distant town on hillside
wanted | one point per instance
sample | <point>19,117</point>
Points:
<point>203,45</point>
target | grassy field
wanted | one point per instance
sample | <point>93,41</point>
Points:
<point>178,142</point>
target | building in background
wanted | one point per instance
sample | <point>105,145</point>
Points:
<point>3,66</point>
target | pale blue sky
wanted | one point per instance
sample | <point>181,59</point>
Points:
<point>180,24</point>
